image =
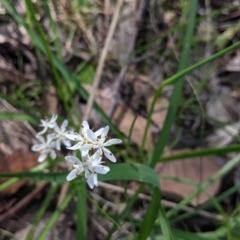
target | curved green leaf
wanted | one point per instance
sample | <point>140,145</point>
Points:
<point>18,117</point>
<point>121,171</point>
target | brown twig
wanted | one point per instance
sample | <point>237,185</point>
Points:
<point>124,69</point>
<point>165,203</point>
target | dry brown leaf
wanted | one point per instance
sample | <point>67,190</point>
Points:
<point>197,169</point>
<point>126,121</point>
<point>17,162</point>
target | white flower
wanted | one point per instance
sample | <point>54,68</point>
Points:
<point>48,124</point>
<point>82,139</point>
<point>60,135</point>
<point>100,143</point>
<point>95,168</point>
<point>89,165</point>
<point>45,147</point>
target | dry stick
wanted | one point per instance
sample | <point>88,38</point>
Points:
<point>124,69</point>
<point>165,203</point>
<point>103,58</point>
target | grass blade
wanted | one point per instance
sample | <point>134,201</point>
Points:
<point>174,101</point>
<point>55,216</point>
<point>81,210</point>
<point>18,117</point>
<point>41,211</point>
<point>201,153</point>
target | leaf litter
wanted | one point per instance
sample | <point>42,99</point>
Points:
<point>149,63</point>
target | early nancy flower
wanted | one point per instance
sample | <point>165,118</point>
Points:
<point>100,144</point>
<point>48,124</point>
<point>60,135</point>
<point>90,166</point>
<point>45,147</point>
<point>82,139</point>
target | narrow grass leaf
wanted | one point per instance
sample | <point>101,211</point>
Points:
<point>42,210</point>
<point>19,117</point>
<point>81,213</point>
<point>55,216</point>
<point>150,216</point>
<point>176,94</point>
<point>201,153</point>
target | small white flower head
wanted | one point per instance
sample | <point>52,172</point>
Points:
<point>46,124</point>
<point>90,166</point>
<point>85,128</point>
<point>82,139</point>
<point>45,147</point>
<point>60,135</point>
<point>100,144</point>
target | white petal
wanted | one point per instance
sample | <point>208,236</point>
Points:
<point>66,142</point>
<point>84,152</point>
<point>96,157</point>
<point>101,169</point>
<point>42,157</point>
<point>75,147</point>
<point>90,181</point>
<point>108,154</point>
<point>64,125</point>
<point>85,125</point>
<point>112,142</point>
<point>73,136</point>
<point>72,159</point>
<point>43,122</point>
<point>54,118</point>
<point>50,137</point>
<point>57,129</point>
<point>58,145</point>
<point>52,124</point>
<point>53,154</point>
<point>87,147</point>
<point>105,132</point>
<point>99,132</point>
<point>95,180</point>
<point>40,138</point>
<point>91,135</point>
<point>73,174</point>
<point>52,121</point>
<point>85,157</point>
<point>37,147</point>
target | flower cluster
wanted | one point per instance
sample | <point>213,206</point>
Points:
<point>54,136</point>
<point>92,145</point>
<point>90,165</point>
